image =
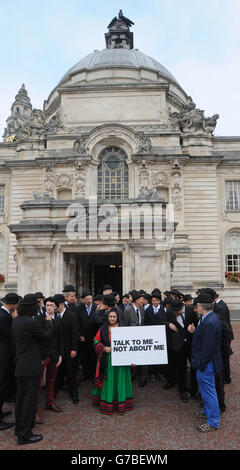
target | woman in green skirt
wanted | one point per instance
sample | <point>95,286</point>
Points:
<point>113,385</point>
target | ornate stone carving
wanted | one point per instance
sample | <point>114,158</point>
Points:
<point>192,120</point>
<point>34,128</point>
<point>80,145</point>
<point>64,180</point>
<point>55,123</point>
<point>177,185</point>
<point>80,179</point>
<point>146,193</point>
<point>160,178</point>
<point>49,178</point>
<point>144,144</point>
<point>144,178</point>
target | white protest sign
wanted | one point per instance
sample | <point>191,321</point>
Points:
<point>140,345</point>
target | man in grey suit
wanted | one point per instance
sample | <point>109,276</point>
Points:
<point>134,316</point>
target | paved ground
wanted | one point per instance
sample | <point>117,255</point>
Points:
<point>159,421</point>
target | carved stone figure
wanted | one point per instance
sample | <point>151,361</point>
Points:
<point>144,144</point>
<point>34,128</point>
<point>80,146</point>
<point>192,119</point>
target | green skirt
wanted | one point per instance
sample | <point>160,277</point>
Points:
<point>116,392</point>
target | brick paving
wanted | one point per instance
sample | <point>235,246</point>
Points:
<point>159,421</point>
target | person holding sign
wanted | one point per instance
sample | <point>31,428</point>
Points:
<point>113,385</point>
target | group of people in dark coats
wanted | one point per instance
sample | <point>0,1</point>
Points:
<point>51,339</point>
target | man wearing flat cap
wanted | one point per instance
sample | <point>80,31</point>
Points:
<point>207,360</point>
<point>7,313</point>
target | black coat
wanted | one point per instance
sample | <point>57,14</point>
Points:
<point>221,309</point>
<point>53,346</point>
<point>152,318</point>
<point>68,325</point>
<point>28,334</point>
<point>86,324</point>
<point>6,346</point>
<point>177,339</point>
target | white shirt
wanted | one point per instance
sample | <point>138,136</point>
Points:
<point>61,314</point>
<point>10,313</point>
<point>139,314</point>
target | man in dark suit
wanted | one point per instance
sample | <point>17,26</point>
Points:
<point>180,317</point>
<point>40,299</point>
<point>222,310</point>
<point>70,294</point>
<point>6,352</point>
<point>51,355</point>
<point>87,331</point>
<point>134,316</point>
<point>69,338</point>
<point>28,333</point>
<point>207,360</point>
<point>155,315</point>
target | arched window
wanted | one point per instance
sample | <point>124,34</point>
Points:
<point>233,252</point>
<point>113,174</point>
<point>2,254</point>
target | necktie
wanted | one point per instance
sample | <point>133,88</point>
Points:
<point>139,317</point>
<point>88,309</point>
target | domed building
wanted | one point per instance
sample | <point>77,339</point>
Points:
<point>118,179</point>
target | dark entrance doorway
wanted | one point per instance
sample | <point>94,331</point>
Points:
<point>93,270</point>
<point>104,274</point>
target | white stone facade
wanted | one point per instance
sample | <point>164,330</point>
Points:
<point>171,151</point>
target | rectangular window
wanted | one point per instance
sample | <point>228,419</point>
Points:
<point>232,195</point>
<point>2,194</point>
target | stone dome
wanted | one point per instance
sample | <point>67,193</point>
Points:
<point>126,58</point>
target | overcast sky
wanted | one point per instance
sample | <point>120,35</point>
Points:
<point>197,40</point>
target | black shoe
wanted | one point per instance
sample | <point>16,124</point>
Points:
<point>195,396</point>
<point>228,380</point>
<point>31,440</point>
<point>168,385</point>
<point>4,426</point>
<point>184,397</point>
<point>142,383</point>
<point>75,399</point>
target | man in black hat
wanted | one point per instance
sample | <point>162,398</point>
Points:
<point>107,289</point>
<point>87,331</point>
<point>134,316</point>
<point>188,299</point>
<point>40,299</point>
<point>155,315</point>
<point>70,294</point>
<point>179,347</point>
<point>28,333</point>
<point>102,311</point>
<point>7,313</point>
<point>70,339</point>
<point>207,360</point>
<point>222,310</point>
